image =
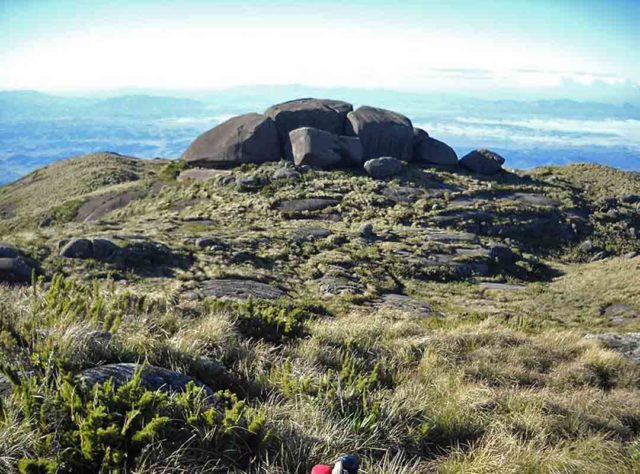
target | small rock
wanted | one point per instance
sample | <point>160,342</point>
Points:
<point>502,254</point>
<point>586,247</point>
<point>406,304</point>
<point>630,255</point>
<point>383,167</point>
<point>308,205</point>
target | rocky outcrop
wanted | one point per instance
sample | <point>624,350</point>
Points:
<point>249,138</point>
<point>321,149</point>
<point>152,377</point>
<point>381,132</point>
<point>322,114</point>
<point>431,151</point>
<point>482,161</point>
<point>383,167</point>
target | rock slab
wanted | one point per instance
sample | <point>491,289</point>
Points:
<point>321,149</point>
<point>249,138</point>
<point>323,114</point>
<point>381,132</point>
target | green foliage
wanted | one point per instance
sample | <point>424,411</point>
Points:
<point>273,321</point>
<point>171,171</point>
<point>106,428</point>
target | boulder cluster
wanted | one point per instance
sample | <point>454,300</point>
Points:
<point>324,133</point>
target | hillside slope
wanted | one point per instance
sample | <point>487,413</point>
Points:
<point>433,322</point>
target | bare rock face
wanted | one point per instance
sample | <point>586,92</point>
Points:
<point>249,138</point>
<point>152,377</point>
<point>431,151</point>
<point>383,167</point>
<point>323,114</point>
<point>381,132</point>
<point>482,161</point>
<point>315,147</point>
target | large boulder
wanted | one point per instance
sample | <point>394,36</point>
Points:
<point>431,151</point>
<point>383,167</point>
<point>315,147</point>
<point>249,138</point>
<point>482,161</point>
<point>323,114</point>
<point>381,132</point>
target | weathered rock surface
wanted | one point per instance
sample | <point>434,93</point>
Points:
<point>286,173</point>
<point>330,285</point>
<point>302,205</point>
<point>240,289</point>
<point>618,313</point>
<point>406,304</point>
<point>321,149</point>
<point>152,377</point>
<point>383,167</point>
<point>381,132</point>
<point>431,151</point>
<point>482,161</point>
<point>8,251</point>
<point>98,206</point>
<point>310,233</point>
<point>199,174</point>
<point>83,248</point>
<point>323,114</point>
<point>16,270</point>
<point>627,344</point>
<point>249,138</point>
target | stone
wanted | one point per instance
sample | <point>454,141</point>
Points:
<point>618,313</point>
<point>366,230</point>
<point>310,233</point>
<point>321,149</point>
<point>381,132</point>
<point>502,254</point>
<point>406,304</point>
<point>240,289</point>
<point>339,286</point>
<point>626,344</point>
<point>489,285</point>
<point>199,174</point>
<point>431,151</point>
<point>8,251</point>
<point>322,114</point>
<point>536,199</point>
<point>483,161</point>
<point>402,193</point>
<point>306,205</point>
<point>249,138</point>
<point>383,167</point>
<point>630,198</point>
<point>84,248</point>
<point>286,173</point>
<point>98,206</point>
<point>587,247</point>
<point>77,248</point>
<point>152,377</point>
<point>16,270</point>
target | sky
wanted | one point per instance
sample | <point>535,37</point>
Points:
<point>455,45</point>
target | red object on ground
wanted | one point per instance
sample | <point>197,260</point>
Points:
<point>321,469</point>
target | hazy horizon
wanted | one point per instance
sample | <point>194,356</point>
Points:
<point>503,49</point>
